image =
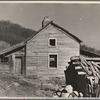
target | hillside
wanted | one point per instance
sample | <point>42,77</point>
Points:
<point>14,33</point>
<point>4,45</point>
<point>89,49</point>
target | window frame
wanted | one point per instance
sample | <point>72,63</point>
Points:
<point>49,60</point>
<point>4,60</point>
<point>55,42</point>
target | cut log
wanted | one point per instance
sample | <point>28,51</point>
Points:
<point>78,67</point>
<point>96,69</point>
<point>86,69</point>
<point>75,58</point>
<point>95,64</point>
<point>81,73</point>
<point>92,67</point>
<point>85,63</point>
<point>76,63</point>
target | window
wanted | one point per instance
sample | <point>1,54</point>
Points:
<point>4,59</point>
<point>52,42</point>
<point>52,61</point>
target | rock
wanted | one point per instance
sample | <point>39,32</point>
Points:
<point>60,89</point>
<point>65,95</point>
<point>55,97</point>
<point>76,93</point>
<point>69,88</point>
<point>58,93</point>
<point>80,94</point>
<point>16,84</point>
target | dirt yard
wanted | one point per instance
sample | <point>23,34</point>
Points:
<point>33,86</point>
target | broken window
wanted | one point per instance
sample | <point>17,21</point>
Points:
<point>53,61</point>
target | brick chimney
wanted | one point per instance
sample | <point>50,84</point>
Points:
<point>45,21</point>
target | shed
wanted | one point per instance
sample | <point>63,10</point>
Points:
<point>15,56</point>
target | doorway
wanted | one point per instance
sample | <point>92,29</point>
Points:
<point>18,65</point>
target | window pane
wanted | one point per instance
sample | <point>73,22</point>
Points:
<point>52,42</point>
<point>4,59</point>
<point>53,61</point>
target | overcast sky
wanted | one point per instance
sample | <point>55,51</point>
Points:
<point>82,20</point>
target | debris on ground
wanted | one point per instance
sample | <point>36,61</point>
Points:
<point>67,92</point>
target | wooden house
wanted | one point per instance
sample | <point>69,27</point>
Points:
<point>47,53</point>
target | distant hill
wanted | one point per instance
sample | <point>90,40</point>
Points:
<point>14,33</point>
<point>88,49</point>
<point>4,45</point>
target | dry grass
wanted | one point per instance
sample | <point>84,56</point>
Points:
<point>33,86</point>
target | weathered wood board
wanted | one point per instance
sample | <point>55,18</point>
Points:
<point>38,50</point>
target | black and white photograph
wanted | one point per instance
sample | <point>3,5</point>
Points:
<point>49,50</point>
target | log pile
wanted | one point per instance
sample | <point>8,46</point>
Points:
<point>81,67</point>
<point>91,71</point>
<point>89,68</point>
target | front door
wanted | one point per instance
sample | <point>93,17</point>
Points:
<point>18,66</point>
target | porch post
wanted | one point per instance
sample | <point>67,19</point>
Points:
<point>12,63</point>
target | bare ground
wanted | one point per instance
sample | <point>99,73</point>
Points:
<point>32,86</point>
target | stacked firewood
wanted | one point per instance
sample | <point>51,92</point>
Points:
<point>83,67</point>
<point>90,68</point>
<point>91,71</point>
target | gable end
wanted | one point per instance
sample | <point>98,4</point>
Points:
<point>59,27</point>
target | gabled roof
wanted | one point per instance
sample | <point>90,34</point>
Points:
<point>67,32</point>
<point>12,49</point>
<point>61,28</point>
<point>88,53</point>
